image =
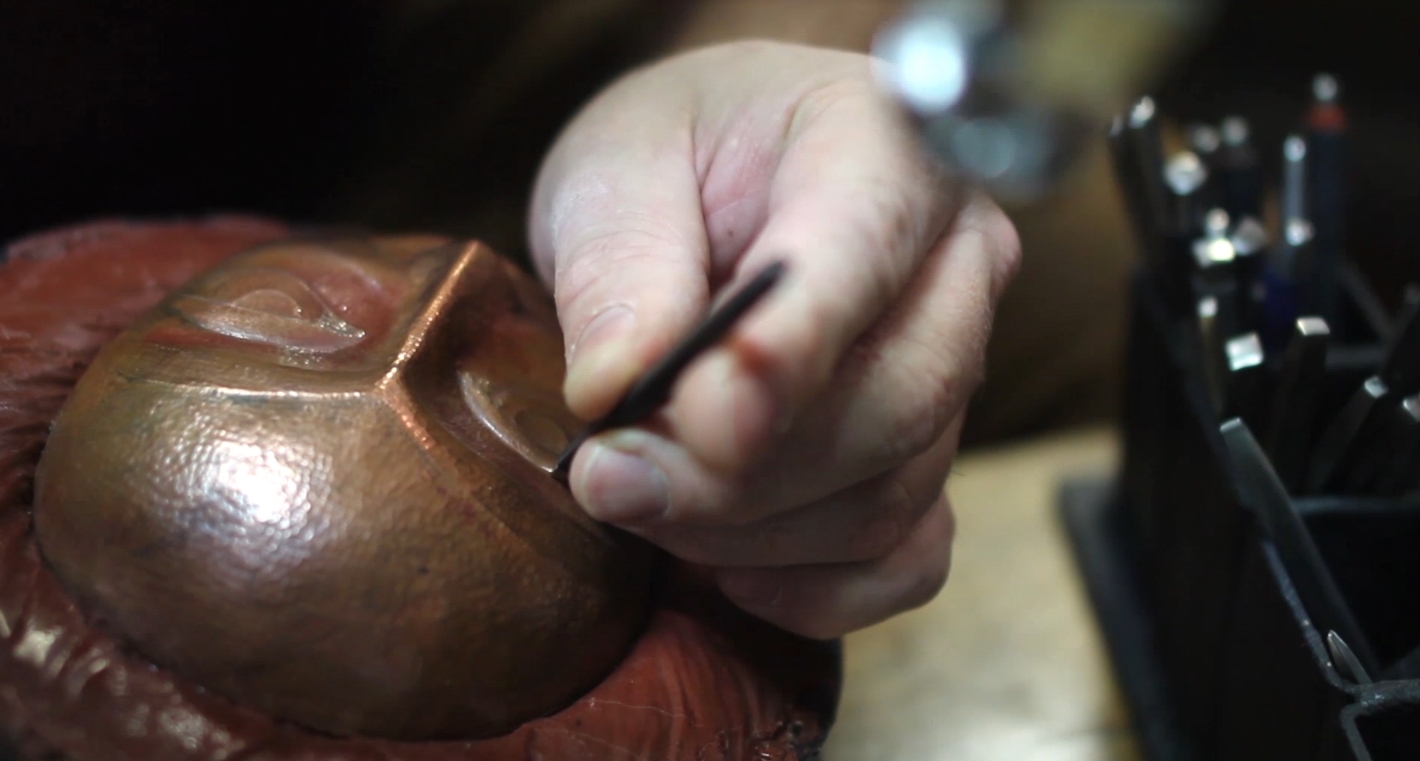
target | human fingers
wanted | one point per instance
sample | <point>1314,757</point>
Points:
<point>853,207</point>
<point>862,522</point>
<point>616,226</point>
<point>826,601</point>
<point>891,399</point>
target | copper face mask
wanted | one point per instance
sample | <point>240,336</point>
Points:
<point>315,481</point>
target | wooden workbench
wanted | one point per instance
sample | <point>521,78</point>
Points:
<point>1007,663</point>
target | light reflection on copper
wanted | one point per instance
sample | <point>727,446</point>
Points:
<point>346,540</point>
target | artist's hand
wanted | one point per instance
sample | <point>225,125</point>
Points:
<point>804,459</point>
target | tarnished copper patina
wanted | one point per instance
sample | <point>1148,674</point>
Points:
<point>314,481</point>
<point>299,509</point>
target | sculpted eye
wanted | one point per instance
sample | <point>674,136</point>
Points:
<point>532,421</point>
<point>273,302</point>
<point>273,307</point>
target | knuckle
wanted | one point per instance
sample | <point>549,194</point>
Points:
<point>925,585</point>
<point>932,394</point>
<point>842,91</point>
<point>889,518</point>
<point>926,580</point>
<point>920,430</point>
<point>893,229</point>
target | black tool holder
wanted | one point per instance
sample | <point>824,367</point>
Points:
<point>1216,653</point>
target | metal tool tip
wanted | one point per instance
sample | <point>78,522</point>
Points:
<point>1411,407</point>
<point>1208,306</point>
<point>1249,237</point>
<point>1344,660</point>
<point>1142,113</point>
<point>1211,252</point>
<point>771,273</point>
<point>1294,148</point>
<point>1185,173</point>
<point>1325,88</point>
<point>1297,232</point>
<point>1232,426</point>
<point>1235,131</point>
<point>653,387</point>
<point>1216,223</point>
<point>1244,351</point>
<point>1204,138</point>
<point>1117,125</point>
<point>563,469</point>
<point>1313,326</point>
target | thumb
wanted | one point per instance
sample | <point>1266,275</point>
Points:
<point>616,227</point>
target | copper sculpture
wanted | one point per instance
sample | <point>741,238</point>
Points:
<point>281,484</point>
<point>303,510</point>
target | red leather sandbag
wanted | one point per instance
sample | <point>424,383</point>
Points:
<point>703,682</point>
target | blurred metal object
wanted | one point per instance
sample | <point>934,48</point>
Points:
<point>1185,176</point>
<point>1250,241</point>
<point>1009,93</point>
<point>1250,237</point>
<point>1344,660</point>
<point>1325,88</point>
<point>1325,131</point>
<point>1335,449</point>
<point>1204,139</point>
<point>1294,250</point>
<point>1216,223</point>
<point>653,388</point>
<point>1210,355</point>
<point>1264,493</point>
<point>1146,141</point>
<point>1239,169</point>
<point>1246,376</point>
<point>1294,179</point>
<point>1299,388</point>
<point>1398,475</point>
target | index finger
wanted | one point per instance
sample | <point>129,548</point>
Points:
<point>853,209</point>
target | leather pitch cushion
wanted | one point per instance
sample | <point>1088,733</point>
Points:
<point>315,480</point>
<point>702,681</point>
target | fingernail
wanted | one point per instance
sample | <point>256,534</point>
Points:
<point>615,320</point>
<point>594,366</point>
<point>750,587</point>
<point>620,487</point>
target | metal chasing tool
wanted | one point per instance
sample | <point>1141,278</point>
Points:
<point>653,388</point>
<point>1008,93</point>
<point>1265,494</point>
<point>1299,387</point>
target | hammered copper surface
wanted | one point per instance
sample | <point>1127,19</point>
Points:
<point>702,682</point>
<point>314,481</point>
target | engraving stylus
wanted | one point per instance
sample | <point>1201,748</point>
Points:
<point>653,388</point>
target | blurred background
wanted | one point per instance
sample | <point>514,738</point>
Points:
<point>434,114</point>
